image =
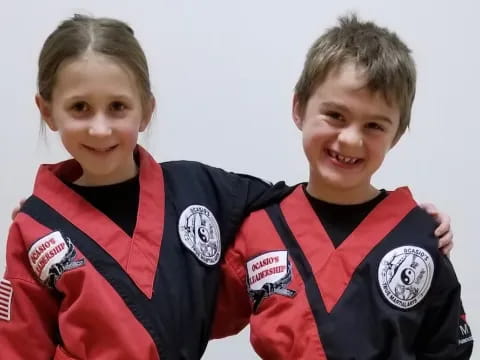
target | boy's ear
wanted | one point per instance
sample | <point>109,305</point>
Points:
<point>395,142</point>
<point>297,112</point>
<point>396,139</point>
<point>147,113</point>
<point>45,109</point>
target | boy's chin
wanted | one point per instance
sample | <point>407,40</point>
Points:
<point>343,184</point>
<point>341,179</point>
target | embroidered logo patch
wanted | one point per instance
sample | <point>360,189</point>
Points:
<point>405,275</point>
<point>6,293</point>
<point>51,256</point>
<point>268,274</point>
<point>198,229</point>
<point>464,333</point>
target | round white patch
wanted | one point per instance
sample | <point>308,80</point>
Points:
<point>199,232</point>
<point>405,275</point>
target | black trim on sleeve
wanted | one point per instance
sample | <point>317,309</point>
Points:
<point>303,266</point>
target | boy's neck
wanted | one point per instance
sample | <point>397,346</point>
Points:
<point>357,195</point>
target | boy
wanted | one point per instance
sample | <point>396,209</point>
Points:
<point>340,269</point>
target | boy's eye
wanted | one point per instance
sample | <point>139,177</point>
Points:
<point>80,106</point>
<point>334,115</point>
<point>117,106</point>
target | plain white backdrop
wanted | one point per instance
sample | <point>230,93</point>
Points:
<point>223,74</point>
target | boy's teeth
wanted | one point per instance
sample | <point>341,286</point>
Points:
<point>345,159</point>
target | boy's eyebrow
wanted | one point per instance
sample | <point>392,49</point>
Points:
<point>382,118</point>
<point>344,108</point>
<point>335,105</point>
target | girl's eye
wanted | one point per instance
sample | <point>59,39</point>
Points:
<point>374,126</point>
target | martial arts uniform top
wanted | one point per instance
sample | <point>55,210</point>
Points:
<point>384,292</point>
<point>77,286</point>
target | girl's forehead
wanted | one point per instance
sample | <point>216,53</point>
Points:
<point>94,73</point>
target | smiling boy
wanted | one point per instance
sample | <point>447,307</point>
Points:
<point>340,269</point>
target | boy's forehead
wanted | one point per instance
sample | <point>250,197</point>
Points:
<point>353,78</point>
<point>348,86</point>
<point>347,74</point>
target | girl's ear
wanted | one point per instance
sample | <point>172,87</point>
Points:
<point>45,109</point>
<point>147,113</point>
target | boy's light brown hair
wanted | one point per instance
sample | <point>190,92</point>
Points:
<point>386,60</point>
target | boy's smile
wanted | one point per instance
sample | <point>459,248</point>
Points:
<point>343,160</point>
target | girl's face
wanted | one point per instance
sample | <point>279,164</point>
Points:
<point>97,109</point>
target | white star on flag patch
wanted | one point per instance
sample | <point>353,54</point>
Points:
<point>6,292</point>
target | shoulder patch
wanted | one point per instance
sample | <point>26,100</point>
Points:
<point>464,333</point>
<point>198,229</point>
<point>405,275</point>
<point>268,274</point>
<point>52,255</point>
<point>6,293</point>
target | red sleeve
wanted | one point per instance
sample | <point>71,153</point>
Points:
<point>233,303</point>
<point>28,310</point>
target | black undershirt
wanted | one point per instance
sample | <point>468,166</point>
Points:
<point>120,203</point>
<point>117,201</point>
<point>339,221</point>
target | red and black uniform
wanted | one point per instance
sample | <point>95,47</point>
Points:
<point>310,290</point>
<point>83,285</point>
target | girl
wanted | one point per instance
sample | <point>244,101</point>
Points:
<point>115,256</point>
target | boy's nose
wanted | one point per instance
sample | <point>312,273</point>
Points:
<point>351,136</point>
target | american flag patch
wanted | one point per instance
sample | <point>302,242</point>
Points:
<point>6,292</point>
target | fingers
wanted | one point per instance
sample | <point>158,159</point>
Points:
<point>447,249</point>
<point>445,239</point>
<point>444,227</point>
<point>16,210</point>
<point>443,232</point>
<point>429,208</point>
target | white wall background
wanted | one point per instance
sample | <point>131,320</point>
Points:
<point>223,73</point>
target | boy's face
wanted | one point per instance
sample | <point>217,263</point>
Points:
<point>347,130</point>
